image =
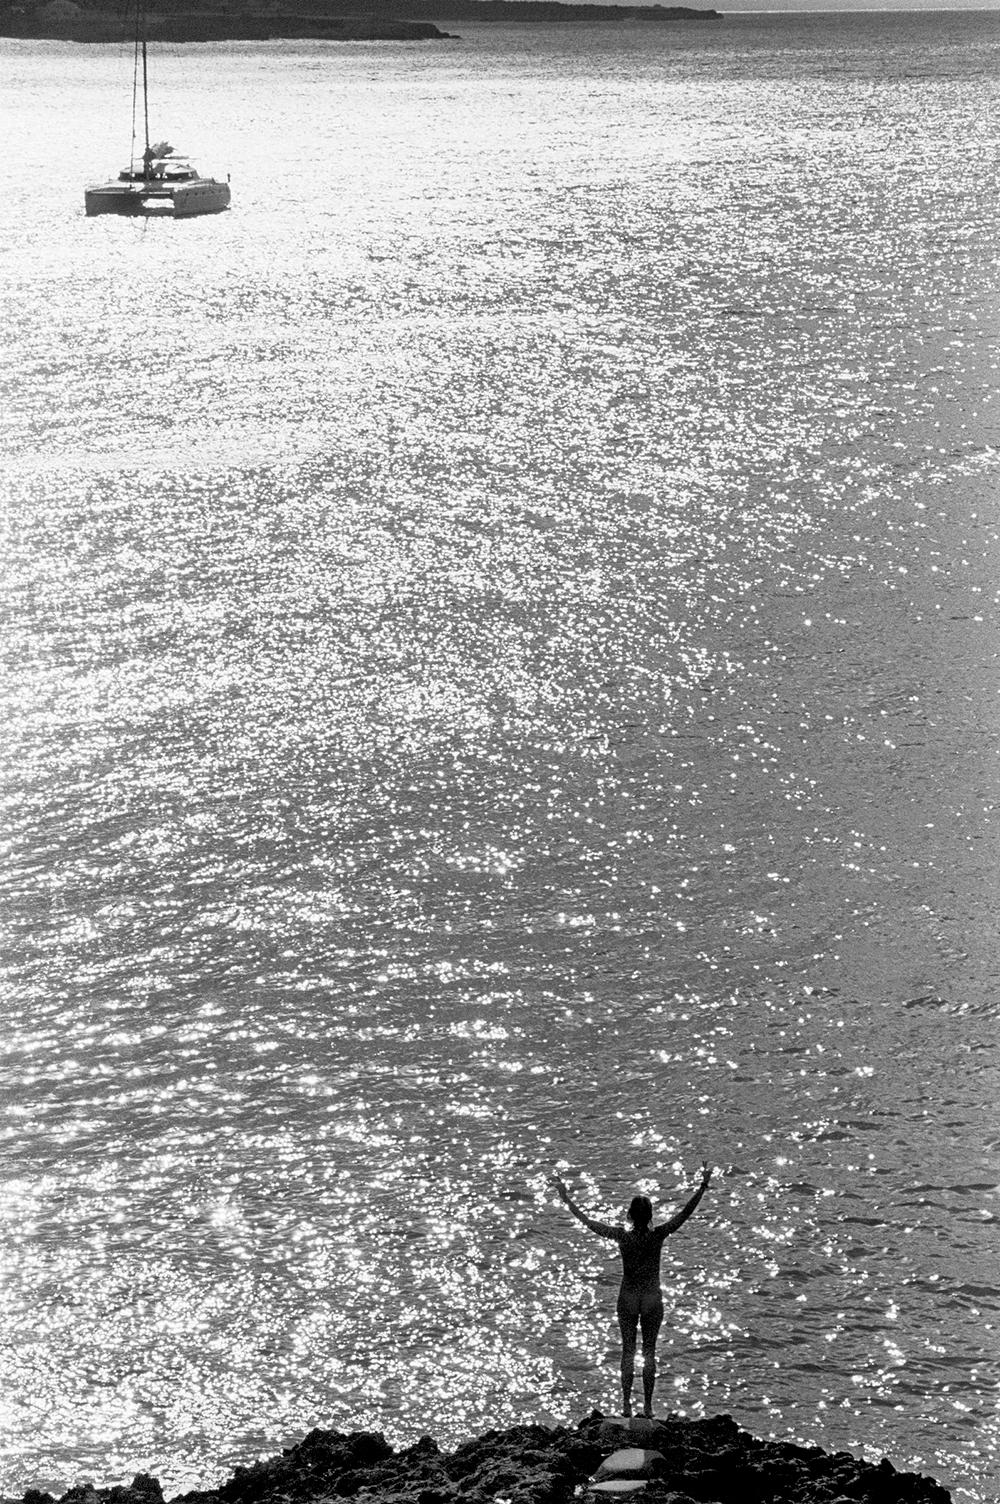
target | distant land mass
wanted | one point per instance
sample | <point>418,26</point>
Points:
<point>322,20</point>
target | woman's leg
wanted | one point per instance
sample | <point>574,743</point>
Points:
<point>628,1321</point>
<point>651,1318</point>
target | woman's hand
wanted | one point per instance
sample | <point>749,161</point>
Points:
<point>558,1186</point>
<point>706,1172</point>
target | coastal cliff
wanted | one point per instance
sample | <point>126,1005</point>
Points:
<point>666,1462</point>
<point>321,20</point>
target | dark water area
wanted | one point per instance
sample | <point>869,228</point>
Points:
<point>500,674</point>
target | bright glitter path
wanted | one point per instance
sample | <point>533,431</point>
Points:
<point>500,673</point>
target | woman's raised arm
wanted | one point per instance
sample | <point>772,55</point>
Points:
<point>603,1229</point>
<point>689,1206</point>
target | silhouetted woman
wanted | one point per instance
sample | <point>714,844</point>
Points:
<point>640,1299</point>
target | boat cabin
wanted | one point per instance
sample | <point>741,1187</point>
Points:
<point>163,169</point>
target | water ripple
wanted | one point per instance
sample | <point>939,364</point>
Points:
<point>499,672</point>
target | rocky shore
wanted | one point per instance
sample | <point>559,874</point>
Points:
<point>664,1462</point>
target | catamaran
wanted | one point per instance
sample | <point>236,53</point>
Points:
<point>159,181</point>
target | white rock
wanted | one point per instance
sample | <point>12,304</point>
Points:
<point>629,1462</point>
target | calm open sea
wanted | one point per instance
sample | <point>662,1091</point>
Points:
<point>500,671</point>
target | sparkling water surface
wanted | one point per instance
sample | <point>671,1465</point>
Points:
<point>500,673</point>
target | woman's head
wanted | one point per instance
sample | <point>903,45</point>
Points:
<point>640,1211</point>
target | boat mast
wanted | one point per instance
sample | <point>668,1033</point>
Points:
<point>140,53</point>
<point>135,85</point>
<point>140,10</point>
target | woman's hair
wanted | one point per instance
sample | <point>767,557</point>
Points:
<point>640,1211</point>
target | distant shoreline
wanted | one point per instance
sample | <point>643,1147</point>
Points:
<point>169,21</point>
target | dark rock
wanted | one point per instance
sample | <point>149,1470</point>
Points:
<point>147,1487</point>
<point>348,1483</point>
<point>142,1490</point>
<point>425,1447</point>
<point>612,1434</point>
<point>703,1462</point>
<point>80,1493</point>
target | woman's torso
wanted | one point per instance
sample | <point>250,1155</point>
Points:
<point>640,1251</point>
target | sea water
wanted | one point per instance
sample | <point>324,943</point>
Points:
<point>500,673</point>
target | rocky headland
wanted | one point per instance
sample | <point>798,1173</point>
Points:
<point>663,1462</point>
<point>68,21</point>
<point>320,20</point>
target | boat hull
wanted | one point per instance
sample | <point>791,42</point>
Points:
<point>171,200</point>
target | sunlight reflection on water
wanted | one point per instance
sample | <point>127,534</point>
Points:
<point>500,673</point>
